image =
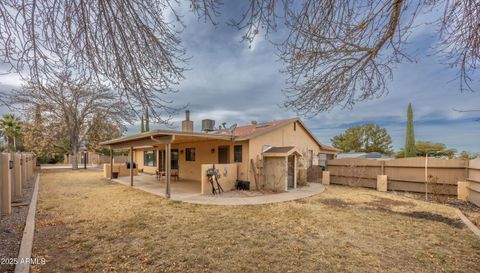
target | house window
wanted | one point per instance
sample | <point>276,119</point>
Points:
<point>237,153</point>
<point>149,159</point>
<point>322,159</point>
<point>329,156</point>
<point>190,154</point>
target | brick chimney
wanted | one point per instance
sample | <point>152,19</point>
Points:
<point>187,124</point>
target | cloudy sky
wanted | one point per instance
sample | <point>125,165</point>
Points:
<point>230,82</point>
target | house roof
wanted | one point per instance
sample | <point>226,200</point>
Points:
<point>240,133</point>
<point>253,130</point>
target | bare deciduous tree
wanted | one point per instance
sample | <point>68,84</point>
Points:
<point>335,52</point>
<point>131,45</point>
<point>73,108</point>
<point>460,38</point>
<point>342,52</point>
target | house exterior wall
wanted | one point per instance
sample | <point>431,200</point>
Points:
<point>191,170</point>
<point>138,158</point>
<point>288,135</point>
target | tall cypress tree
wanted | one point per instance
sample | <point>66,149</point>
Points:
<point>147,121</point>
<point>142,127</point>
<point>410,150</point>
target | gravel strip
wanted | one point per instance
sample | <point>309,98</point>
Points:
<point>11,228</point>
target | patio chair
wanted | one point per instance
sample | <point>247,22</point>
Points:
<point>173,173</point>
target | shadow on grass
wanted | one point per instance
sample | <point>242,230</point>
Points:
<point>385,205</point>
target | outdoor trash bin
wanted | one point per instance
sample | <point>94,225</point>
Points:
<point>115,175</point>
<point>243,185</point>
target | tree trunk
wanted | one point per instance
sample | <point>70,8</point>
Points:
<point>74,157</point>
<point>9,144</point>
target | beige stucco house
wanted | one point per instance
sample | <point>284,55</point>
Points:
<point>238,152</point>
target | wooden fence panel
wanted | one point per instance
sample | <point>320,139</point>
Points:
<point>356,172</point>
<point>405,174</point>
<point>314,174</point>
<point>474,181</point>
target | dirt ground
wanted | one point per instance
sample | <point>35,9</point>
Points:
<point>89,224</point>
<point>468,209</point>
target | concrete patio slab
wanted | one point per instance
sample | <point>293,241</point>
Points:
<point>189,192</point>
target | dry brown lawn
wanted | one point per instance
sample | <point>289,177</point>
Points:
<point>88,224</point>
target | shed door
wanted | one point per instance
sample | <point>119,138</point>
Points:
<point>291,170</point>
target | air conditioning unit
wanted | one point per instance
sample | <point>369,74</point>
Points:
<point>208,125</point>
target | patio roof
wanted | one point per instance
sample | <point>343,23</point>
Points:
<point>158,137</point>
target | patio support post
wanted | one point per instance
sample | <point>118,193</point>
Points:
<point>111,164</point>
<point>159,168</point>
<point>168,166</point>
<point>131,166</point>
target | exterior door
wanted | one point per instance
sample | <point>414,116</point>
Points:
<point>223,154</point>
<point>173,162</point>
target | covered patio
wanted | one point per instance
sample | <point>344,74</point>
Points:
<point>165,148</point>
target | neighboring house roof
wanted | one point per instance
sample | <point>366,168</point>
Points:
<point>372,155</point>
<point>330,148</point>
<point>281,151</point>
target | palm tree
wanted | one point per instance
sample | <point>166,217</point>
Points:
<point>10,127</point>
